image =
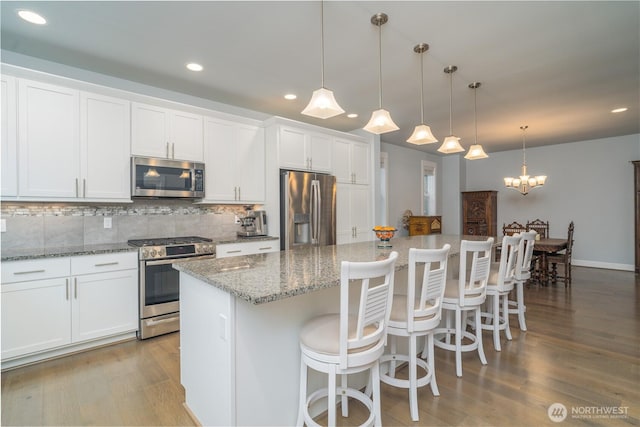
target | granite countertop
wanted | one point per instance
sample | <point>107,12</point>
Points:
<point>263,278</point>
<point>35,253</point>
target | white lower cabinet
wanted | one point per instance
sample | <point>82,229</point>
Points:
<point>56,304</point>
<point>226,250</point>
<point>353,213</point>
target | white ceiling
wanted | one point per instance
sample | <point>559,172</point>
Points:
<point>558,67</point>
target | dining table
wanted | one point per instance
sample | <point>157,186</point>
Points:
<point>542,248</point>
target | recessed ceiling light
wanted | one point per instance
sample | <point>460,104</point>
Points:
<point>619,110</point>
<point>32,17</point>
<point>290,96</point>
<point>352,115</point>
<point>194,67</point>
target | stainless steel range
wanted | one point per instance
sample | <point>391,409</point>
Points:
<point>159,283</point>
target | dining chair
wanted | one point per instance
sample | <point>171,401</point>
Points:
<point>513,228</point>
<point>500,284</point>
<point>563,257</point>
<point>414,315</point>
<point>349,342</point>
<point>524,265</point>
<point>462,296</point>
<point>539,226</point>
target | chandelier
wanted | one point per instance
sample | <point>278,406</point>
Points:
<point>524,183</point>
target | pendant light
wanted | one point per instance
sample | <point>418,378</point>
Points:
<point>380,121</point>
<point>322,104</point>
<point>475,151</point>
<point>451,143</point>
<point>524,183</point>
<point>422,133</point>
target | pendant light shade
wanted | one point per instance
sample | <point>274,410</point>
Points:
<point>475,151</point>
<point>451,143</point>
<point>322,104</point>
<point>422,133</point>
<point>380,121</point>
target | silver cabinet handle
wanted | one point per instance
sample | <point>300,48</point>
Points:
<point>29,272</point>
<point>265,248</point>
<point>311,163</point>
<point>239,193</point>
<point>77,187</point>
<point>84,187</point>
<point>167,150</point>
<point>235,193</point>
<point>234,252</point>
<point>173,150</point>
<point>75,288</point>
<point>66,286</point>
<point>104,264</point>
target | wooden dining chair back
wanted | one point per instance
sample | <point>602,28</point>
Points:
<point>563,257</point>
<point>513,228</point>
<point>539,226</point>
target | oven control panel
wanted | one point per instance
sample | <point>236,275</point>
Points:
<point>177,251</point>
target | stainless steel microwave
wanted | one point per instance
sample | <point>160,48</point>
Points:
<point>153,177</point>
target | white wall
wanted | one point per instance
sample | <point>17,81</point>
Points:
<point>405,182</point>
<point>589,182</point>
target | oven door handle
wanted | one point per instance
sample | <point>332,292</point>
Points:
<point>172,260</point>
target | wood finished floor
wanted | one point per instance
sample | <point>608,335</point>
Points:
<point>582,349</point>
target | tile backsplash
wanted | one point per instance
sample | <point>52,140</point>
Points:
<point>49,225</point>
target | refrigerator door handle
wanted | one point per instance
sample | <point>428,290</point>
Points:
<point>315,201</point>
<point>318,213</point>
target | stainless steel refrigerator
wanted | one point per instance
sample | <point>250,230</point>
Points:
<point>307,209</point>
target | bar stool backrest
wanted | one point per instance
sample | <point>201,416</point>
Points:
<point>473,285</point>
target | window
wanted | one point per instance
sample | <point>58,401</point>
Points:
<point>428,188</point>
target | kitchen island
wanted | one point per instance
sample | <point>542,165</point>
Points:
<point>240,320</point>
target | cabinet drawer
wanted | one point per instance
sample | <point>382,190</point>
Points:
<point>249,248</point>
<point>37,269</point>
<point>89,264</point>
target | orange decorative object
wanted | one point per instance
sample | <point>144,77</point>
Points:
<point>384,233</point>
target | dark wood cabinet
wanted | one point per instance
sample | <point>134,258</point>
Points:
<point>419,225</point>
<point>636,166</point>
<point>479,212</point>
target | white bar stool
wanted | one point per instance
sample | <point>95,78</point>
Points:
<point>347,343</point>
<point>523,273</point>
<point>415,316</point>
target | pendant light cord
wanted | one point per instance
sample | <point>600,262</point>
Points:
<point>524,152</point>
<point>380,63</point>
<point>450,103</point>
<point>422,87</point>
<point>475,111</point>
<point>322,41</point>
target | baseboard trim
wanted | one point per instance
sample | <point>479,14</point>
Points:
<point>605,265</point>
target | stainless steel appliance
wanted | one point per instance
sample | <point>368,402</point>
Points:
<point>159,283</point>
<point>307,209</point>
<point>151,177</point>
<point>253,224</point>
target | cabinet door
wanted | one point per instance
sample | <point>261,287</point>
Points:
<point>319,152</point>
<point>186,136</point>
<point>220,161</point>
<point>149,131</point>
<point>361,213</point>
<point>344,228</point>
<point>105,129</point>
<point>360,162</point>
<point>250,144</point>
<point>291,148</point>
<point>342,160</point>
<point>49,149</point>
<point>9,167</point>
<point>104,304</point>
<point>36,316</point>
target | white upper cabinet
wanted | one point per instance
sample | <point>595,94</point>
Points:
<point>72,145</point>
<point>304,150</point>
<point>235,162</point>
<point>166,133</point>
<point>49,149</point>
<point>9,140</point>
<point>351,161</point>
<point>105,129</point>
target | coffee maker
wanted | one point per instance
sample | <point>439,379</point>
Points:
<point>253,224</point>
